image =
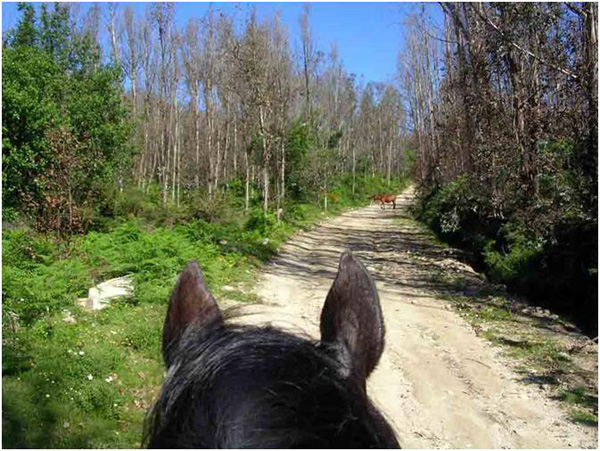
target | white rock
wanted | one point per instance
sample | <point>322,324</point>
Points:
<point>102,294</point>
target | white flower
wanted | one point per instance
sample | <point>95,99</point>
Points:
<point>109,379</point>
<point>47,395</point>
<point>81,352</point>
<point>90,377</point>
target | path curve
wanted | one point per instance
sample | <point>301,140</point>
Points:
<point>438,383</point>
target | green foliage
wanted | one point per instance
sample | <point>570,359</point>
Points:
<point>299,142</point>
<point>82,384</point>
<point>145,338</point>
<point>543,248</point>
<point>26,33</point>
<point>410,159</point>
<point>65,130</point>
<point>579,395</point>
<point>35,282</point>
<point>515,261</point>
<point>261,222</point>
<point>334,139</point>
<point>585,417</point>
<point>30,80</point>
<point>451,208</point>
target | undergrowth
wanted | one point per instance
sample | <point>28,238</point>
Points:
<point>549,257</point>
<point>77,379</point>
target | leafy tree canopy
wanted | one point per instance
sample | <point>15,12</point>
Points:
<point>65,130</point>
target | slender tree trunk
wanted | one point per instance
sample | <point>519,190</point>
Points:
<point>196,138</point>
<point>235,146</point>
<point>175,151</point>
<point>282,170</point>
<point>326,194</point>
<point>389,174</point>
<point>112,10</point>
<point>353,169</point>
<point>217,164</point>
<point>247,193</point>
<point>265,159</point>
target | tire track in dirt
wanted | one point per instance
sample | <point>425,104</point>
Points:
<point>439,384</point>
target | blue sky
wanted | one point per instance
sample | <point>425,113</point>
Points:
<point>369,35</point>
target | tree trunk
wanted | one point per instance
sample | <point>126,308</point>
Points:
<point>247,193</point>
<point>265,158</point>
<point>353,169</point>
<point>389,174</point>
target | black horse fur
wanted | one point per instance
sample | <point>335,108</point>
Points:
<point>259,387</point>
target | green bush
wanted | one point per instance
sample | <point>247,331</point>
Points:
<point>545,248</point>
<point>30,293</point>
<point>70,125</point>
<point>448,208</point>
<point>260,222</point>
<point>515,262</point>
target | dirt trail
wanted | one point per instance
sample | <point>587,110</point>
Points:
<point>438,383</point>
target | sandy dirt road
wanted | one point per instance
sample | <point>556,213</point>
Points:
<point>438,383</point>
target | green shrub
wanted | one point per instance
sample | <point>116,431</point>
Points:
<point>25,249</point>
<point>448,208</point>
<point>44,289</point>
<point>260,222</point>
<point>516,261</point>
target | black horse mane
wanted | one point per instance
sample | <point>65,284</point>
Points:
<point>260,388</point>
<point>233,386</point>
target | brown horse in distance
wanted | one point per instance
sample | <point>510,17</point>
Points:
<point>385,199</point>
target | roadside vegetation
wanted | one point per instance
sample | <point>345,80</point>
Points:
<point>79,379</point>
<point>506,149</point>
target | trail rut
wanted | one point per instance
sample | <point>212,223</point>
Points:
<point>438,383</point>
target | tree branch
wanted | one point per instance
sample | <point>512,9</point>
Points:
<point>576,9</point>
<point>521,49</point>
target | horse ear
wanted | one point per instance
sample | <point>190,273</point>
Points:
<point>352,320</point>
<point>190,302</point>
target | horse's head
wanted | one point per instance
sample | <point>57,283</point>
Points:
<point>246,387</point>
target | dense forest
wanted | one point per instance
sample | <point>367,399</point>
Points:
<point>504,110</point>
